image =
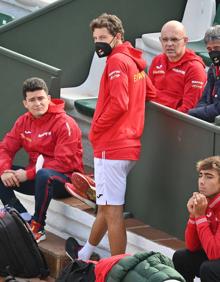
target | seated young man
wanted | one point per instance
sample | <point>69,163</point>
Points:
<point>209,105</point>
<point>202,235</point>
<point>52,140</point>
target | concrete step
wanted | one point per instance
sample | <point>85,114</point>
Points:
<point>70,217</point>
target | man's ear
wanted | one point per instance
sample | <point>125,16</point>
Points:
<point>118,36</point>
<point>49,97</point>
<point>25,103</point>
<point>186,40</point>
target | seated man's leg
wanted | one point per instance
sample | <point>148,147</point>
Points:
<point>188,263</point>
<point>210,271</point>
<point>48,184</point>
<point>9,198</point>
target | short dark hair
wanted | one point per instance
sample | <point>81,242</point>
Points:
<point>33,84</point>
<point>111,22</point>
<point>209,163</point>
<point>213,33</point>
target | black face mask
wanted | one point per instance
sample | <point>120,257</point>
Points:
<point>215,57</point>
<point>103,49</point>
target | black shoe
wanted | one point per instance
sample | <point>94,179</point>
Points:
<point>95,257</point>
<point>72,248</point>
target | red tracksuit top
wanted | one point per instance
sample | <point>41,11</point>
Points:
<point>179,84</point>
<point>118,121</point>
<point>55,135</point>
<point>103,267</point>
<point>204,232</point>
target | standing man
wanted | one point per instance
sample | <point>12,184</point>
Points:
<point>178,74</point>
<point>209,105</point>
<point>202,236</point>
<point>116,130</point>
<point>52,140</point>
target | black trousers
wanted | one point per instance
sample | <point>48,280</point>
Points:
<point>191,264</point>
<point>47,184</point>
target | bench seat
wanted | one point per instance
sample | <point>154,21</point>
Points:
<point>86,106</point>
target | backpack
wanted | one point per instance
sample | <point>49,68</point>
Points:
<point>78,271</point>
<point>19,252</point>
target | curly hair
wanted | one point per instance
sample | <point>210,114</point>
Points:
<point>209,163</point>
<point>111,22</point>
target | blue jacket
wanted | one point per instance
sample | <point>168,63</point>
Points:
<point>209,105</point>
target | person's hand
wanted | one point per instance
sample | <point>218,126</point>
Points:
<point>9,178</point>
<point>21,175</point>
<point>190,204</point>
<point>200,205</point>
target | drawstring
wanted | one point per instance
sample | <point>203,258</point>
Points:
<point>103,154</point>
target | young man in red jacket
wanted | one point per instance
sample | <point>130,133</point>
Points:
<point>116,129</point>
<point>178,74</point>
<point>52,140</point>
<point>202,235</point>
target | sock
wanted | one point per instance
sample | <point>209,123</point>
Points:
<point>86,251</point>
<point>26,216</point>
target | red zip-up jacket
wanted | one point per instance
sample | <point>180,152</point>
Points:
<point>103,267</point>
<point>55,135</point>
<point>179,84</point>
<point>118,121</point>
<point>204,232</point>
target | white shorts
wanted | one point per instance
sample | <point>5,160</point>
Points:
<point>110,179</point>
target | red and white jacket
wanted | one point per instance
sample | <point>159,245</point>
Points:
<point>118,121</point>
<point>204,232</point>
<point>55,135</point>
<point>179,84</point>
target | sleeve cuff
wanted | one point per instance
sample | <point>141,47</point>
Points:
<point>30,174</point>
<point>201,219</point>
<point>191,220</point>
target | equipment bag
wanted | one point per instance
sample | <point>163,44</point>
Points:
<point>78,271</point>
<point>19,252</point>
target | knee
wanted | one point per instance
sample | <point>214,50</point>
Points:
<point>179,257</point>
<point>43,180</point>
<point>43,173</point>
<point>113,213</point>
<point>206,270</point>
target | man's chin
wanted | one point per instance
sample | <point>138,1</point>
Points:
<point>38,114</point>
<point>171,55</point>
